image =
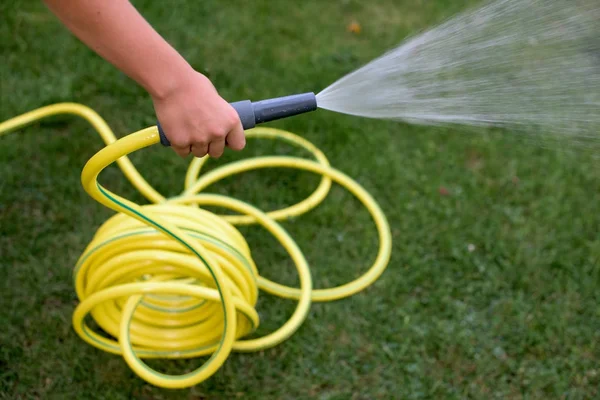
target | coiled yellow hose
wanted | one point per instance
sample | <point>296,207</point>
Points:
<point>172,280</point>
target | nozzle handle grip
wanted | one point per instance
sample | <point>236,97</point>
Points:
<point>243,108</point>
<point>264,111</point>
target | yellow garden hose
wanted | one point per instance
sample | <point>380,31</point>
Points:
<point>173,280</point>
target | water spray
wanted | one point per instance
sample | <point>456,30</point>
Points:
<point>173,280</point>
<point>529,66</point>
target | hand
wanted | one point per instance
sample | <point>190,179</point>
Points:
<point>197,120</point>
<point>193,116</point>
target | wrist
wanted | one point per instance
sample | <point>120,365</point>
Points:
<point>169,78</point>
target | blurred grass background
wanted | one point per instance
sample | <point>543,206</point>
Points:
<point>492,290</point>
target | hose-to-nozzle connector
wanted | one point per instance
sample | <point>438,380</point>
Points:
<point>269,110</point>
<point>253,113</point>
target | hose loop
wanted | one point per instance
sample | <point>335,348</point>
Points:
<point>172,280</point>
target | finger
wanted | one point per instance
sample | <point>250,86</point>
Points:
<point>216,147</point>
<point>199,149</point>
<point>183,152</point>
<point>182,148</point>
<point>236,140</point>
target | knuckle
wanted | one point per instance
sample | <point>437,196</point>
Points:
<point>182,154</point>
<point>206,132</point>
<point>221,133</point>
<point>179,142</point>
<point>233,118</point>
<point>214,132</point>
<point>200,140</point>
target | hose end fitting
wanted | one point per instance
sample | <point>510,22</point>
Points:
<point>258,112</point>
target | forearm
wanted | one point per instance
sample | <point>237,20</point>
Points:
<point>194,117</point>
<point>117,32</point>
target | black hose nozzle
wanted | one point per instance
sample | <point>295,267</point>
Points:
<point>258,112</point>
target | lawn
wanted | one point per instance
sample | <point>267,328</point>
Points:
<point>492,288</point>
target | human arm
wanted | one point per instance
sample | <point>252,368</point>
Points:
<point>192,114</point>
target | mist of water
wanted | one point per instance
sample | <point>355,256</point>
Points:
<point>511,63</point>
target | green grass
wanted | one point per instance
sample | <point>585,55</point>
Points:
<point>516,318</point>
